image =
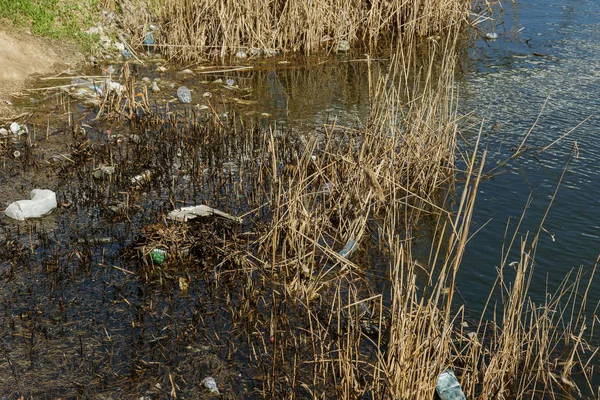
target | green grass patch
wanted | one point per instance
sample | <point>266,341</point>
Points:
<point>53,18</point>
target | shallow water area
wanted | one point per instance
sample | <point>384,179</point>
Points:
<point>535,87</point>
<point>86,312</point>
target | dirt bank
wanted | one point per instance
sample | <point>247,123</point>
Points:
<point>23,56</point>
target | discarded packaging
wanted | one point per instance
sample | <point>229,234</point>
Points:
<point>158,256</point>
<point>104,170</point>
<point>491,36</point>
<point>17,129</point>
<point>448,387</point>
<point>210,384</point>
<point>155,87</point>
<point>141,178</point>
<point>187,213</point>
<point>343,46</point>
<point>149,39</point>
<point>184,95</point>
<point>241,54</point>
<point>41,203</point>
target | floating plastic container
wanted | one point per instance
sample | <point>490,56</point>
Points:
<point>448,387</point>
<point>184,95</point>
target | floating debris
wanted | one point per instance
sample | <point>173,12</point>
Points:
<point>490,36</point>
<point>343,46</point>
<point>42,202</point>
<point>184,95</point>
<point>448,387</point>
<point>142,178</point>
<point>188,213</point>
<point>210,384</point>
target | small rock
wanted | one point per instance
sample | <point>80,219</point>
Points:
<point>343,46</point>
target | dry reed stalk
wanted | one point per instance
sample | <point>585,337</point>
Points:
<point>196,30</point>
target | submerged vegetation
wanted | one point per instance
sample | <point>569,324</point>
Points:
<point>324,290</point>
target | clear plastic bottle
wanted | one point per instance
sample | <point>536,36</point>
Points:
<point>448,387</point>
<point>184,95</point>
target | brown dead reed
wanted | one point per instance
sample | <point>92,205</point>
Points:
<point>190,31</point>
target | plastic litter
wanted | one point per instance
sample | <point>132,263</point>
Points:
<point>184,95</point>
<point>17,129</point>
<point>210,384</point>
<point>155,87</point>
<point>158,256</point>
<point>104,170</point>
<point>241,54</point>
<point>3,132</point>
<point>491,36</point>
<point>149,39</point>
<point>448,387</point>
<point>126,53</point>
<point>230,82</point>
<point>187,213</point>
<point>343,46</point>
<point>42,202</point>
<point>142,178</point>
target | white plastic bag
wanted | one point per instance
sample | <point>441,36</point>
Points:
<point>42,202</point>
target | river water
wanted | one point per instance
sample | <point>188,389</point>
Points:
<point>539,79</point>
<point>545,67</point>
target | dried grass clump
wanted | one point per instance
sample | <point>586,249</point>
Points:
<point>194,30</point>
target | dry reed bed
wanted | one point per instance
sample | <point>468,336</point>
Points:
<point>332,335</point>
<point>195,30</point>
